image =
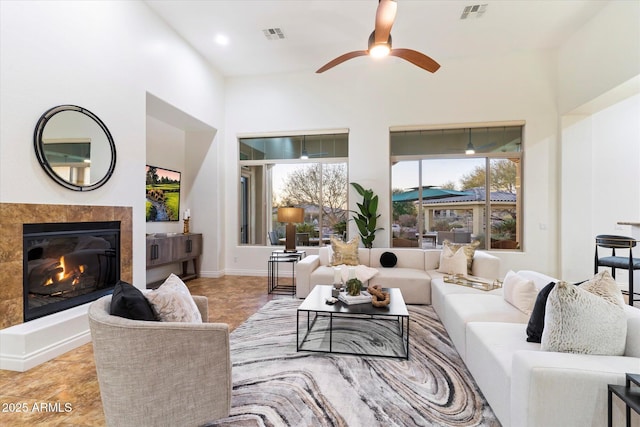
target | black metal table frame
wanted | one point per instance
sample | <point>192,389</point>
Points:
<point>630,398</point>
<point>402,321</point>
<point>275,259</point>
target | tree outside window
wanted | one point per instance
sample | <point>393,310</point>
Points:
<point>307,171</point>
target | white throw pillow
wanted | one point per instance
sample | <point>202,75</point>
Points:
<point>452,263</point>
<point>578,321</point>
<point>173,302</point>
<point>363,273</point>
<point>519,292</point>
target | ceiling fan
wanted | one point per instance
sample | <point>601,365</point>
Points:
<point>380,42</point>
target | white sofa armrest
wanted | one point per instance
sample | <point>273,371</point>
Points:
<point>485,265</point>
<point>562,389</point>
<point>303,274</point>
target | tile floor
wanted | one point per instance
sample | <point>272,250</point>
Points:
<point>64,391</point>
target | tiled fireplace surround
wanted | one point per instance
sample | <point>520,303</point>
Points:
<point>20,342</point>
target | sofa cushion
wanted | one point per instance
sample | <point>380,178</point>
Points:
<point>388,259</point>
<point>460,309</point>
<point>344,252</point>
<point>128,301</point>
<point>469,250</point>
<point>579,321</point>
<point>414,284</point>
<point>440,289</point>
<point>452,262</point>
<point>490,348</point>
<point>323,275</point>
<point>172,302</point>
<point>519,292</point>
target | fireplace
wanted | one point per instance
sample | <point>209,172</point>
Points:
<point>68,264</point>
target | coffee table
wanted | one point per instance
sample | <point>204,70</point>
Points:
<point>338,328</point>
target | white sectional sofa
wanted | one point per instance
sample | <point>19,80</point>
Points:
<point>413,272</point>
<point>525,386</point>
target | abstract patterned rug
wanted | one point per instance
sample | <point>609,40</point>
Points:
<point>273,385</point>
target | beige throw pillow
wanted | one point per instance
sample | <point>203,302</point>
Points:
<point>172,302</point>
<point>519,292</point>
<point>452,262</point>
<point>469,250</point>
<point>603,285</point>
<point>579,321</point>
<point>345,252</point>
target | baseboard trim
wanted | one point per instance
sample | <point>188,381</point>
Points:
<point>30,344</point>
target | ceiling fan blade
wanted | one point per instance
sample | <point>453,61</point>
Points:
<point>416,58</point>
<point>385,17</point>
<point>340,59</point>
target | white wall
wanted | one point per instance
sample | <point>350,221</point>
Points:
<point>601,55</point>
<point>598,87</point>
<point>105,56</point>
<point>369,98</point>
<point>600,177</point>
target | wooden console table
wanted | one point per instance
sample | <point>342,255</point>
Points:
<point>171,248</point>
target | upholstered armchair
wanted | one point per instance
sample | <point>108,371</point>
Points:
<point>160,373</point>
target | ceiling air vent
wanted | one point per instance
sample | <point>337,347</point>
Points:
<point>473,11</point>
<point>273,34</point>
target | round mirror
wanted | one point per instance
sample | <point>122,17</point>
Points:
<point>74,147</point>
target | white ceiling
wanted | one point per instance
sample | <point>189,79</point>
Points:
<point>317,31</point>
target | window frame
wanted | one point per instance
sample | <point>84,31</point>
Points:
<point>267,186</point>
<point>488,157</point>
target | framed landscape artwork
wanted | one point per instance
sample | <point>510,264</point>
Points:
<point>163,194</point>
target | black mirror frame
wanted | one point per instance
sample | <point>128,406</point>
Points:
<point>39,147</point>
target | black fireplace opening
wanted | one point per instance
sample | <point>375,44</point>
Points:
<point>68,264</point>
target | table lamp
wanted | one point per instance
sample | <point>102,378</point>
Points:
<point>290,215</point>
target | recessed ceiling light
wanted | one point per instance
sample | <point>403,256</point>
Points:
<point>222,40</point>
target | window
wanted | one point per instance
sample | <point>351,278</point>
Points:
<point>307,171</point>
<point>439,186</point>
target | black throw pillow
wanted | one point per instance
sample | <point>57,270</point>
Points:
<point>129,302</point>
<point>536,321</point>
<point>388,259</point>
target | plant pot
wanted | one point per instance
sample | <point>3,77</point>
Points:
<point>353,287</point>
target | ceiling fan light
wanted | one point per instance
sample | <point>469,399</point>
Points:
<point>379,50</point>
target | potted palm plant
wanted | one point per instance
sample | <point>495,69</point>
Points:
<point>367,218</point>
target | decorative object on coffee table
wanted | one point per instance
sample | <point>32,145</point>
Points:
<point>379,298</point>
<point>354,286</point>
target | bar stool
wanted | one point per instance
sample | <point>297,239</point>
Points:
<point>628,263</point>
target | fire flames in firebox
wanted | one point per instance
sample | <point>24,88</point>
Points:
<point>60,274</point>
<point>67,264</point>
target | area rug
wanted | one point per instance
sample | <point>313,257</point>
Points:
<point>274,385</point>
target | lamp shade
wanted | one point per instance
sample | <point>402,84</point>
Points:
<point>290,214</point>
